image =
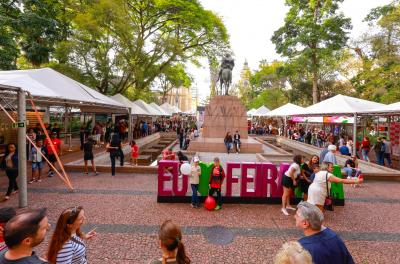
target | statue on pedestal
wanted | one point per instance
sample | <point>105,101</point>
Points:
<point>225,74</point>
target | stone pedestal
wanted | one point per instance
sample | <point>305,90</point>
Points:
<point>224,114</point>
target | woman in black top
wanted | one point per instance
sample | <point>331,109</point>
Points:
<point>228,142</point>
<point>115,149</point>
<point>306,171</point>
<point>10,165</point>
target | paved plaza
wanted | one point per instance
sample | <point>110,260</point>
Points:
<point>127,217</point>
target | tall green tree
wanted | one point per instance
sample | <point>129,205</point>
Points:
<point>125,44</point>
<point>39,29</point>
<point>313,30</point>
<point>175,76</point>
<point>9,51</point>
<point>379,77</point>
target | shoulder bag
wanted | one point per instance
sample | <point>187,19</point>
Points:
<point>328,205</point>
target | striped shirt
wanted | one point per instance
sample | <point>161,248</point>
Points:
<point>72,252</point>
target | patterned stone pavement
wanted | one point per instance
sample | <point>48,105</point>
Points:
<point>127,217</point>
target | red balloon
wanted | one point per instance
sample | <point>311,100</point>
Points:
<point>210,203</point>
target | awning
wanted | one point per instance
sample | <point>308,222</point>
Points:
<point>148,108</point>
<point>135,109</point>
<point>49,87</point>
<point>262,111</point>
<point>286,110</point>
<point>340,105</point>
<point>165,113</point>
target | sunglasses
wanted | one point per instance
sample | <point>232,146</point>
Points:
<point>74,211</point>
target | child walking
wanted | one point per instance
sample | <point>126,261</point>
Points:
<point>216,178</point>
<point>37,161</point>
<point>134,152</point>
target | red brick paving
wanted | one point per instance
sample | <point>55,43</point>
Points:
<point>110,206</point>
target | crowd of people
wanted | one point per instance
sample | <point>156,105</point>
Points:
<point>382,147</point>
<point>22,232</point>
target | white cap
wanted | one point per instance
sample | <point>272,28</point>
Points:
<point>331,147</point>
<point>195,159</point>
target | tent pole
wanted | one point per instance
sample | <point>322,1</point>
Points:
<point>377,127</point>
<point>354,135</point>
<point>130,136</point>
<point>284,126</point>
<point>22,173</point>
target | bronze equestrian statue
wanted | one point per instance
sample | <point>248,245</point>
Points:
<point>225,74</point>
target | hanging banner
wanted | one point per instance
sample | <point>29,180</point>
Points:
<point>338,119</point>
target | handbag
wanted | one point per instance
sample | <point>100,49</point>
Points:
<point>328,205</point>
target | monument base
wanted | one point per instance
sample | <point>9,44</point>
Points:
<point>201,144</point>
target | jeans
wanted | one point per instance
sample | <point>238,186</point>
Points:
<point>349,171</point>
<point>364,153</point>
<point>379,158</point>
<point>228,146</point>
<point>12,175</point>
<point>237,146</point>
<point>218,190</point>
<point>195,198</point>
<point>388,158</point>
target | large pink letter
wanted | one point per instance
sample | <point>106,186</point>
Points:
<point>230,178</point>
<point>244,192</point>
<point>282,169</point>
<point>165,175</point>
<point>268,175</point>
<point>175,182</point>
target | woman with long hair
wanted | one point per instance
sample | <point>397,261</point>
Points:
<point>10,165</point>
<point>306,171</point>
<point>228,142</point>
<point>289,183</point>
<point>67,244</point>
<point>173,250</point>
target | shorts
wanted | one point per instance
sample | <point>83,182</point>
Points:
<point>287,182</point>
<point>52,158</point>
<point>37,166</point>
<point>88,156</point>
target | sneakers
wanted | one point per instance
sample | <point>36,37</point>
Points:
<point>32,181</point>
<point>217,208</point>
<point>50,174</point>
<point>39,180</point>
<point>290,208</point>
<point>6,198</point>
<point>96,173</point>
<point>284,211</point>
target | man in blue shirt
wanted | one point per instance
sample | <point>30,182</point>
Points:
<point>324,245</point>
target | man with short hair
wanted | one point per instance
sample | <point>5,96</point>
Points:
<point>21,234</point>
<point>6,214</point>
<point>324,245</point>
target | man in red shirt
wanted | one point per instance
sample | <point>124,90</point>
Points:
<point>50,153</point>
<point>216,178</point>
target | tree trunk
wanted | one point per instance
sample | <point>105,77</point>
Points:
<point>315,79</point>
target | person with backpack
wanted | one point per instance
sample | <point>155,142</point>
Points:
<point>216,179</point>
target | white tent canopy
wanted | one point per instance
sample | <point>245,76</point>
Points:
<point>161,110</point>
<point>390,109</point>
<point>148,108</point>
<point>171,109</point>
<point>251,112</point>
<point>286,110</point>
<point>340,105</point>
<point>135,109</point>
<point>49,86</point>
<point>262,111</point>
